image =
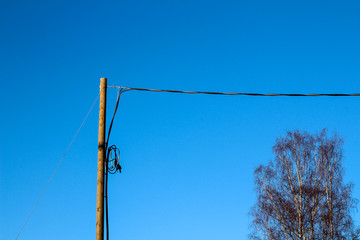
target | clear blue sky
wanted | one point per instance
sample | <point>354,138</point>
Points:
<point>188,160</point>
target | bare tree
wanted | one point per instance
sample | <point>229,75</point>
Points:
<point>301,194</point>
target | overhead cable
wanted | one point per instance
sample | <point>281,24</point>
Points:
<point>244,94</point>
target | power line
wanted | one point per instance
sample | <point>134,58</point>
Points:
<point>57,167</point>
<point>244,94</point>
<point>107,170</point>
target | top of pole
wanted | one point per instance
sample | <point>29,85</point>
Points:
<point>103,81</point>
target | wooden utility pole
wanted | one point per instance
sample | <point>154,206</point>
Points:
<point>101,159</point>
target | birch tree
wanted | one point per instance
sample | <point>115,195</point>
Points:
<point>301,194</point>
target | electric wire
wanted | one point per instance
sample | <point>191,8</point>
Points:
<point>113,160</point>
<point>244,94</point>
<point>106,198</point>
<point>120,91</point>
<point>110,170</point>
<point>57,167</point>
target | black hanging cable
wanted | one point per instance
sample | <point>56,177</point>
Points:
<point>112,120</point>
<point>114,161</point>
<point>106,199</point>
<point>113,155</point>
<point>246,94</point>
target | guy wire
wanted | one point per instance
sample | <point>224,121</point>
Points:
<point>57,167</point>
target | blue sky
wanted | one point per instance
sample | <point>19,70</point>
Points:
<point>187,160</point>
